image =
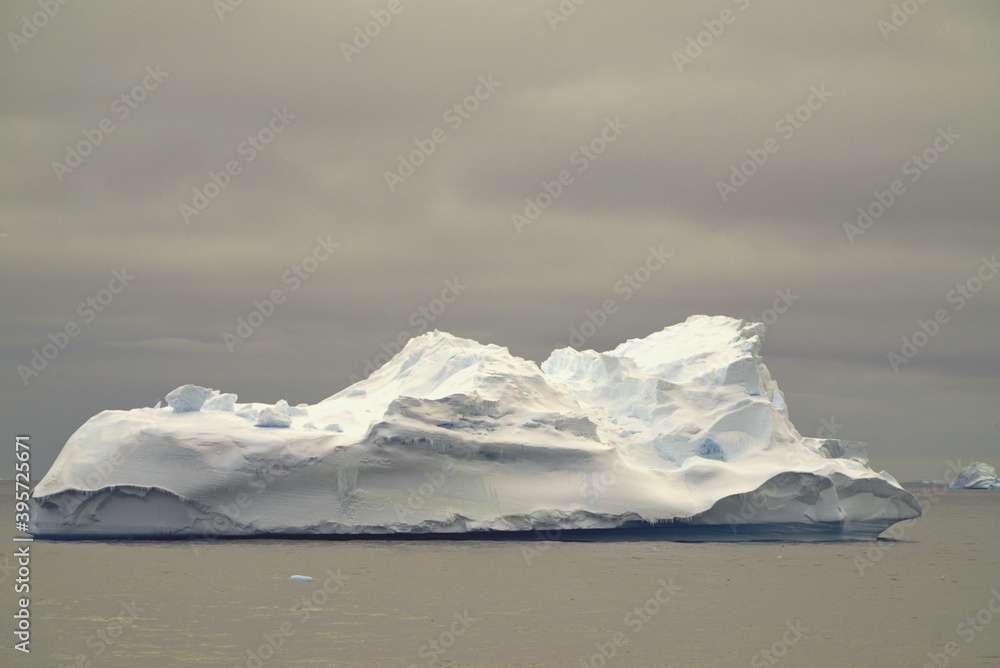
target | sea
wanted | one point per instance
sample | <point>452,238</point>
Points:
<point>927,593</point>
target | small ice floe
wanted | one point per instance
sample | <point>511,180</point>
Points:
<point>301,578</point>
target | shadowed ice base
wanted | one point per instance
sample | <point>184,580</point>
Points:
<point>122,514</point>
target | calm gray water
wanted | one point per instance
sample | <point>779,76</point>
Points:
<point>891,603</point>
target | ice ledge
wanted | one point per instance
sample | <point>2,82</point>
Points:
<point>790,507</point>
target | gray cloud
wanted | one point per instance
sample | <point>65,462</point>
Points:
<point>655,185</point>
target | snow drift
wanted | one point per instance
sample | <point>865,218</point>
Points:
<point>682,434</point>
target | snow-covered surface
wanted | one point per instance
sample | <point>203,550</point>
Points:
<point>976,476</point>
<point>682,429</point>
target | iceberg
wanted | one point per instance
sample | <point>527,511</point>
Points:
<point>680,435</point>
<point>976,475</point>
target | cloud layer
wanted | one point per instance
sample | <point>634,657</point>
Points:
<point>224,147</point>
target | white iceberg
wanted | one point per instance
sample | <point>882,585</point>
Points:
<point>682,434</point>
<point>976,475</point>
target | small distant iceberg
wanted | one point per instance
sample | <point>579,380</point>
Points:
<point>976,475</point>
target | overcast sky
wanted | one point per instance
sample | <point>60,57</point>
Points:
<point>116,115</point>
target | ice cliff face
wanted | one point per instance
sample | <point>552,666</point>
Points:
<point>683,432</point>
<point>976,476</point>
